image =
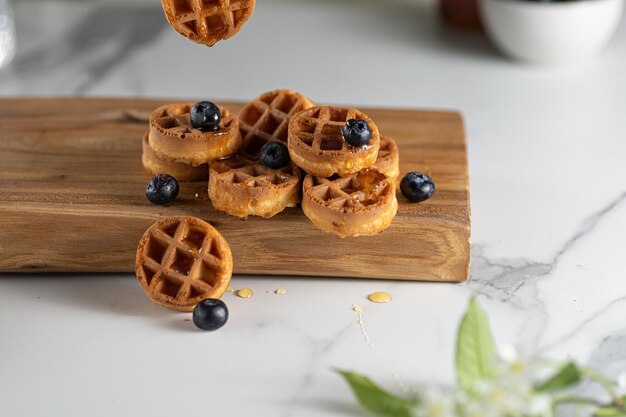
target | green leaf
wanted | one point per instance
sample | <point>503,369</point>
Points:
<point>567,376</point>
<point>375,399</point>
<point>475,348</point>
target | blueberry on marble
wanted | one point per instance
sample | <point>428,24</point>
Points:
<point>162,189</point>
<point>274,155</point>
<point>417,187</point>
<point>205,116</point>
<point>356,132</point>
<point>210,314</point>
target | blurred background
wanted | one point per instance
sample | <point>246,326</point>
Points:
<point>542,89</point>
<point>390,53</point>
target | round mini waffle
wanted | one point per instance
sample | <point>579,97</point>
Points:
<point>182,261</point>
<point>207,21</point>
<point>361,204</point>
<point>173,139</point>
<point>182,172</point>
<point>266,119</point>
<point>317,146</point>
<point>388,160</point>
<point>245,188</point>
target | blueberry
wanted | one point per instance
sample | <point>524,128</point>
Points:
<point>417,187</point>
<point>356,132</point>
<point>210,314</point>
<point>274,155</point>
<point>162,189</point>
<point>205,116</point>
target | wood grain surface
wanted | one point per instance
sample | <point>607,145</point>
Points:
<point>72,199</point>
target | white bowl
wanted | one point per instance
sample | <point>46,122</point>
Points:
<point>551,33</point>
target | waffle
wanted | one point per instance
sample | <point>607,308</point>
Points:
<point>181,261</point>
<point>317,146</point>
<point>388,160</point>
<point>266,118</point>
<point>208,21</point>
<point>174,139</point>
<point>361,204</point>
<point>245,188</point>
<point>178,170</point>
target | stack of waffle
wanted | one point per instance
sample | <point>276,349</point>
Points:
<point>343,189</point>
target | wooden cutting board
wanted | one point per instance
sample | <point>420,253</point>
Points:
<point>72,199</point>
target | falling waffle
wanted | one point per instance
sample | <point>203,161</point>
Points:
<point>208,21</point>
<point>266,118</point>
<point>245,188</point>
<point>174,139</point>
<point>182,172</point>
<point>317,146</point>
<point>388,160</point>
<point>361,204</point>
<point>182,261</point>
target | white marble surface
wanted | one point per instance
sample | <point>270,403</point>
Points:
<point>548,183</point>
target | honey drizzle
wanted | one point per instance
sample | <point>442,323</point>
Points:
<point>370,182</point>
<point>395,375</point>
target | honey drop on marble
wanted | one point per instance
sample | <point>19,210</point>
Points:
<point>379,297</point>
<point>244,293</point>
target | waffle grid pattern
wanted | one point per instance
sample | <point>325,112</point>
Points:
<point>320,129</point>
<point>174,120</point>
<point>257,175</point>
<point>347,192</point>
<point>266,119</point>
<point>182,262</point>
<point>208,20</point>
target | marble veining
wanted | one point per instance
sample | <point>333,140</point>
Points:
<point>546,150</point>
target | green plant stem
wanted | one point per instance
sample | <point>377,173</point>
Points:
<point>605,383</point>
<point>570,399</point>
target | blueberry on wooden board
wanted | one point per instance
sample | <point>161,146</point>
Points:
<point>162,189</point>
<point>417,187</point>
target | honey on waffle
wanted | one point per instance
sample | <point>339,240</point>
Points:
<point>173,139</point>
<point>182,172</point>
<point>361,204</point>
<point>317,146</point>
<point>208,21</point>
<point>245,188</point>
<point>266,118</point>
<point>388,160</point>
<point>181,261</point>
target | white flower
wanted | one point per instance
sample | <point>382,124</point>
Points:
<point>436,403</point>
<point>519,362</point>
<point>540,405</point>
<point>511,394</point>
<point>621,383</point>
<point>508,353</point>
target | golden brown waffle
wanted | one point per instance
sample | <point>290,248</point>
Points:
<point>317,146</point>
<point>182,172</point>
<point>266,118</point>
<point>208,21</point>
<point>388,160</point>
<point>244,188</point>
<point>174,139</point>
<point>361,204</point>
<point>181,261</point>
